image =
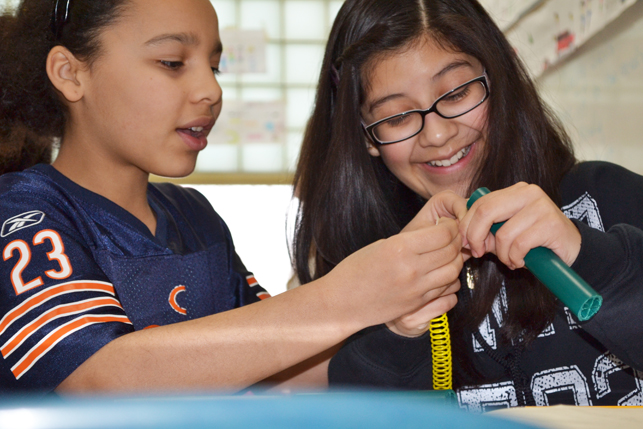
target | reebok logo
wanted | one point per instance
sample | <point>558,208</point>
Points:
<point>21,221</point>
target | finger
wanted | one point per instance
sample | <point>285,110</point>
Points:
<point>438,258</point>
<point>517,236</point>
<point>466,254</point>
<point>449,204</point>
<point>452,288</point>
<point>444,204</point>
<point>550,229</point>
<point>421,318</point>
<point>495,207</point>
<point>437,280</point>
<point>431,238</point>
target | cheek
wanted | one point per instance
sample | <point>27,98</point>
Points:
<point>396,158</point>
<point>146,104</point>
<point>480,119</point>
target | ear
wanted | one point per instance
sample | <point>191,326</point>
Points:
<point>63,69</point>
<point>371,148</point>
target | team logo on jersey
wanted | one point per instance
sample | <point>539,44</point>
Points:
<point>173,303</point>
<point>22,221</point>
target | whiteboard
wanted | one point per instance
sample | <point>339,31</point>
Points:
<point>598,92</point>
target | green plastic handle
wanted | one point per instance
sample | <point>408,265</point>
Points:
<point>561,280</point>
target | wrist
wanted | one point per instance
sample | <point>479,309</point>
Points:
<point>407,333</point>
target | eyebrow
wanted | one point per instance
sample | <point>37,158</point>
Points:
<point>183,38</point>
<point>451,66</point>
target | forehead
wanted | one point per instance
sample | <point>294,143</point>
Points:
<point>145,19</point>
<point>423,60</point>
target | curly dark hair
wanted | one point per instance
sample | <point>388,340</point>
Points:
<point>32,114</point>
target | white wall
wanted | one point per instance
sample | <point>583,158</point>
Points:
<point>256,216</point>
<point>598,92</point>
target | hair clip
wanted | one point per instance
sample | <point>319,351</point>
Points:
<point>59,17</point>
<point>334,75</point>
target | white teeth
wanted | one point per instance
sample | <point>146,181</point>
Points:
<point>455,158</point>
<point>197,129</point>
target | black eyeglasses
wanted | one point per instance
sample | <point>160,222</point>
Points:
<point>457,102</point>
<point>59,17</point>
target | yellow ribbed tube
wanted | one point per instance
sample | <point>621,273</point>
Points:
<point>441,353</point>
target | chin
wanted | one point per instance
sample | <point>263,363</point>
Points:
<point>175,171</point>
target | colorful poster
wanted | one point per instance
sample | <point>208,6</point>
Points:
<point>244,51</point>
<point>250,122</point>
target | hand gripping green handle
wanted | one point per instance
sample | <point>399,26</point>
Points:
<point>561,280</point>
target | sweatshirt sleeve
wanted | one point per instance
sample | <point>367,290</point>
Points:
<point>609,206</point>
<point>612,263</point>
<point>401,362</point>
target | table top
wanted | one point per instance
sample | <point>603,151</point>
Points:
<point>570,417</point>
<point>337,410</point>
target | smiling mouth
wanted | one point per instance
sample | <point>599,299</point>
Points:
<point>453,160</point>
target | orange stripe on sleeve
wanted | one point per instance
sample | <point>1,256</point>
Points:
<point>50,293</point>
<point>54,337</point>
<point>55,313</point>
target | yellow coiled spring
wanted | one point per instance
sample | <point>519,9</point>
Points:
<point>441,353</point>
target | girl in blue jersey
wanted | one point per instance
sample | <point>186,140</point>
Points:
<point>426,100</point>
<point>93,255</point>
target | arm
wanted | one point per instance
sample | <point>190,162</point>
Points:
<point>607,197</point>
<point>226,351</point>
<point>309,375</point>
<point>612,262</point>
<point>397,355</point>
<point>237,348</point>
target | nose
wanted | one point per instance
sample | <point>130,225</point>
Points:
<point>206,88</point>
<point>437,130</point>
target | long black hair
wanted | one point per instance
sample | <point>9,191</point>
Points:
<point>32,114</point>
<point>349,199</point>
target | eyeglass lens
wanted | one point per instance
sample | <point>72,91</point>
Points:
<point>450,105</point>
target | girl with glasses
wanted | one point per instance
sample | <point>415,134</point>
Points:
<point>420,102</point>
<point>109,283</point>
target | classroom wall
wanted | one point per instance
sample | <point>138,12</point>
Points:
<point>598,92</point>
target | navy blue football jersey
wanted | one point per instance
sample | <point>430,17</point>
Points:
<point>78,271</point>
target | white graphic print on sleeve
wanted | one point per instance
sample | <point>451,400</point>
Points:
<point>605,365</point>
<point>585,209</point>
<point>498,309</point>
<point>608,364</point>
<point>560,379</point>
<point>488,396</point>
<point>636,396</point>
<point>573,324</point>
<point>488,334</point>
<point>549,330</point>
